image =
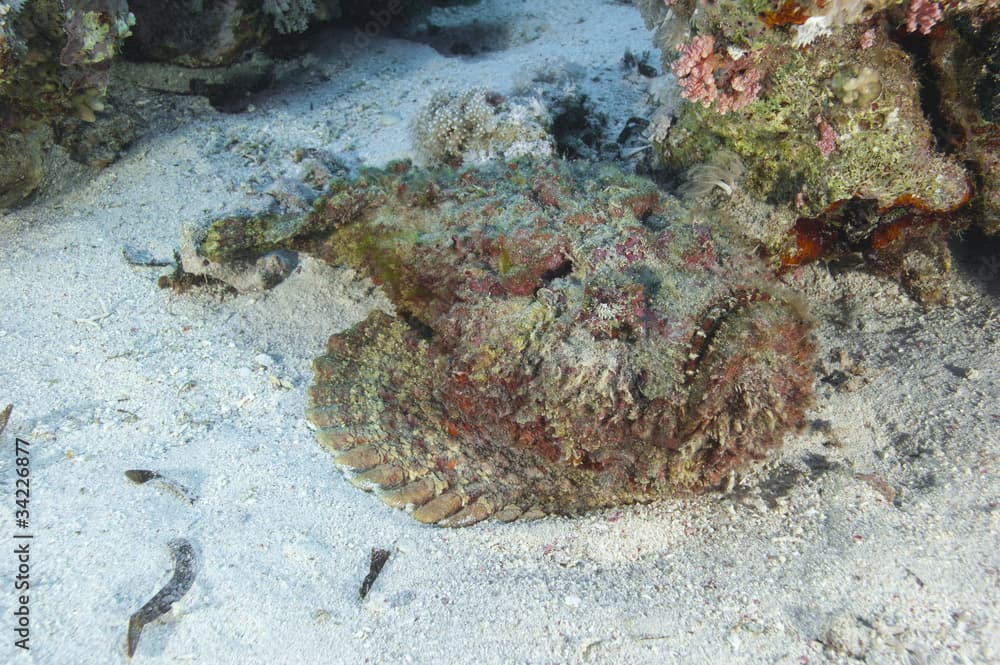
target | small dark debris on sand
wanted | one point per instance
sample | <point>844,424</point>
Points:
<point>185,569</point>
<point>143,476</point>
<point>379,557</point>
<point>5,416</point>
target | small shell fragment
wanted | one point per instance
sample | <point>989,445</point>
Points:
<point>5,416</point>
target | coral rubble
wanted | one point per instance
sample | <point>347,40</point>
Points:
<point>565,337</point>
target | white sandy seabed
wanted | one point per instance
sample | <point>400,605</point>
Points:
<point>873,536</point>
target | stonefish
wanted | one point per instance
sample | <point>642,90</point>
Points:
<point>565,337</point>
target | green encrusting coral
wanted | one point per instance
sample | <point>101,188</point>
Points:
<point>879,133</point>
<point>862,130</point>
<point>565,337</point>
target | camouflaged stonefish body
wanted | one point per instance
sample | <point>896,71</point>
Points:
<point>565,337</point>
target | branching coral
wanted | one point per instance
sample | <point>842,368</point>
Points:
<point>707,76</point>
<point>695,70</point>
<point>923,15</point>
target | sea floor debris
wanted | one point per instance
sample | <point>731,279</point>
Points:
<point>143,476</point>
<point>185,569</point>
<point>565,337</point>
<point>378,561</point>
<point>5,416</point>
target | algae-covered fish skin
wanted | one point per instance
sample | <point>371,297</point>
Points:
<point>565,337</point>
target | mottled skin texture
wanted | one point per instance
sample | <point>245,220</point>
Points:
<point>565,337</point>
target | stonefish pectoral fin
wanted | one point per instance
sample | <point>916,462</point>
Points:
<point>566,337</point>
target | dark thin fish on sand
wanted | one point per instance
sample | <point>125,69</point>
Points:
<point>185,569</point>
<point>379,557</point>
<point>143,476</point>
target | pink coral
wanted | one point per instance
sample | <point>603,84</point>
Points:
<point>827,137</point>
<point>923,15</point>
<point>707,76</point>
<point>695,70</point>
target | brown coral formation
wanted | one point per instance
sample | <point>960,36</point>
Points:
<point>965,61</point>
